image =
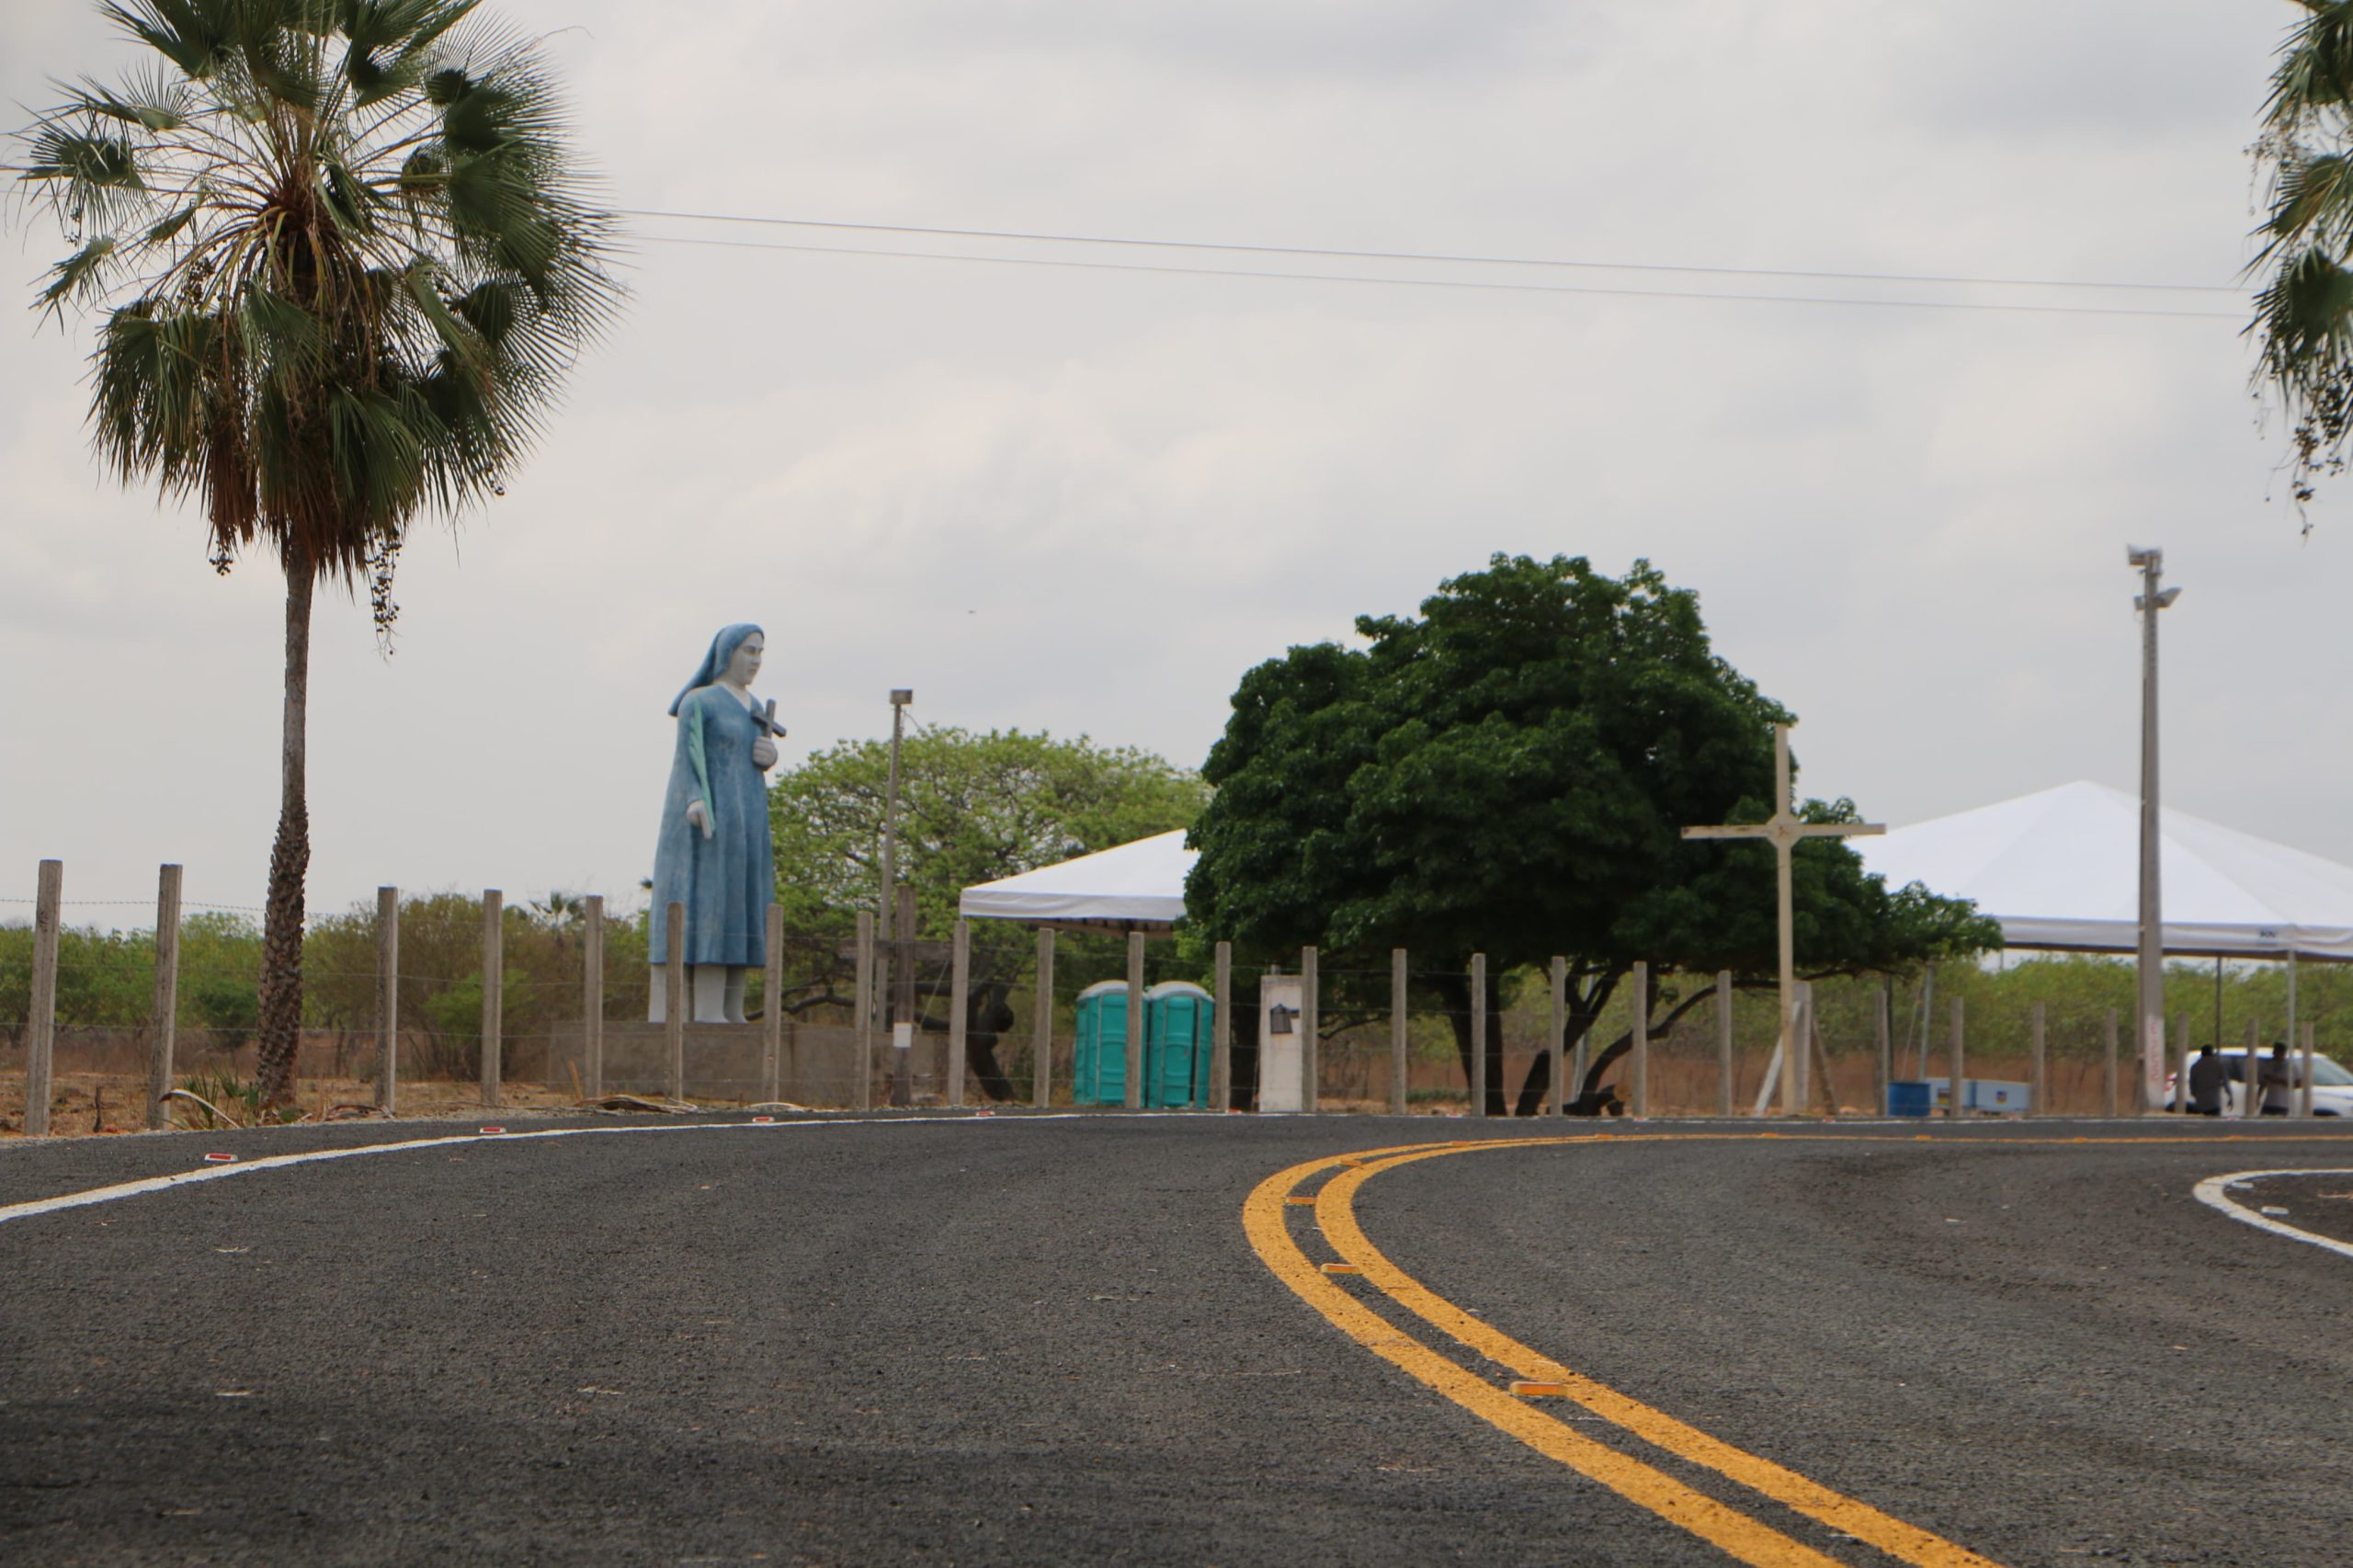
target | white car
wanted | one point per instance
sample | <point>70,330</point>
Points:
<point>2332,1085</point>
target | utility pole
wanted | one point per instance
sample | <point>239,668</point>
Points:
<point>2149,1021</point>
<point>895,941</point>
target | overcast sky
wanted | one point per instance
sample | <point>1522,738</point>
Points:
<point>1086,501</point>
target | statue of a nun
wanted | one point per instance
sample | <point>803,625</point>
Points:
<point>714,857</point>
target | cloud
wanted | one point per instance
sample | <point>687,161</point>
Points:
<point>1087,501</point>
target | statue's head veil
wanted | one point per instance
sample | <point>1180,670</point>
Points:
<point>714,663</point>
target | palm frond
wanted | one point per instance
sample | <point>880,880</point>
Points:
<point>359,258</point>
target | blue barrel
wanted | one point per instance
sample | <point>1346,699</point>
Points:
<point>1911,1099</point>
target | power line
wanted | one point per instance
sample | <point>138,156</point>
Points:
<point>1435,257</point>
<point>1488,285</point>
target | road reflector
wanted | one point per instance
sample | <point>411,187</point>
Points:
<point>1342,1269</point>
<point>221,1159</point>
<point>494,1130</point>
<point>1540,1391</point>
<point>764,1121</point>
<point>1300,1202</point>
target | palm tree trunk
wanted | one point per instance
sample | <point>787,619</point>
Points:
<point>289,859</point>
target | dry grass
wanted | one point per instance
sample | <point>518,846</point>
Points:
<point>101,1103</point>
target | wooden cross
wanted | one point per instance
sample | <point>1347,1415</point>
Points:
<point>1782,830</point>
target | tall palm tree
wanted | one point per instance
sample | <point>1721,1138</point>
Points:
<point>2304,313</point>
<point>340,258</point>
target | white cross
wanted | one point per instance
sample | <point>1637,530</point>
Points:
<point>1782,830</point>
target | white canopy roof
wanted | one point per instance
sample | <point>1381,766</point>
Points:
<point>2062,869</point>
<point>1133,887</point>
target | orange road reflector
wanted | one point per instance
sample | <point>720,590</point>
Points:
<point>1538,1390</point>
<point>1300,1202</point>
<point>1342,1269</point>
<point>764,1121</point>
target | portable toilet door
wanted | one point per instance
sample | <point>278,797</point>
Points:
<point>1177,1018</point>
<point>1099,1055</point>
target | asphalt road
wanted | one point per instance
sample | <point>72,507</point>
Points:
<point>1028,1340</point>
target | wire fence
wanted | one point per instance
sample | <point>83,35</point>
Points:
<point>810,1035</point>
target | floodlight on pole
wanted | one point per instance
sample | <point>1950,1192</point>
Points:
<point>2149,1001</point>
<point>900,698</point>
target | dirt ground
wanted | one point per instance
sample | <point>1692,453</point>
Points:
<point>100,1103</point>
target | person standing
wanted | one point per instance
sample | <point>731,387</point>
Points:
<point>2207,1076</point>
<point>2277,1078</point>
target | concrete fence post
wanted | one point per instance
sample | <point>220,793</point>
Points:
<point>959,982</point>
<point>1558,1026</point>
<point>1041,1025</point>
<point>1478,1034</point>
<point>2251,1080</point>
<point>388,1000</point>
<point>41,1019</point>
<point>1399,1025</point>
<point>165,1013</point>
<point>494,994</point>
<point>1957,1100</point>
<point>772,1007</point>
<point>1723,1042</point>
<point>1883,1038</point>
<point>2108,1065</point>
<point>862,1034</point>
<point>1580,1055</point>
<point>2038,1063</point>
<point>2181,1065</point>
<point>1311,1031</point>
<point>673,995</point>
<point>1221,1032</point>
<point>1642,1052</point>
<point>592,994</point>
<point>1133,1098</point>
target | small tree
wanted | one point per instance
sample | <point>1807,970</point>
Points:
<point>972,808</point>
<point>341,258</point>
<point>1509,774</point>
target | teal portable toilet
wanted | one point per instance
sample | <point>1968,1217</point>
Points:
<point>1177,1015</point>
<point>1099,1062</point>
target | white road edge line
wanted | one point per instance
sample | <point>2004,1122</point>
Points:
<point>279,1162</point>
<point>2210,1193</point>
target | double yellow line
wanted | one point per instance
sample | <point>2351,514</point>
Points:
<point>1745,1537</point>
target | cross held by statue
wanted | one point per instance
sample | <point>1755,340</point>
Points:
<point>1782,830</point>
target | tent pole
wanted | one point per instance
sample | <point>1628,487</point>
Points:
<point>2218,1001</point>
<point>2300,1102</point>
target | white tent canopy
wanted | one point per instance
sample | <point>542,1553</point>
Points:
<point>2061,869</point>
<point>1132,887</point>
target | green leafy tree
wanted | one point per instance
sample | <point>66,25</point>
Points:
<point>2303,323</point>
<point>972,808</point>
<point>1508,773</point>
<point>340,258</point>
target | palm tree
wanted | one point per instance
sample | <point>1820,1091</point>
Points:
<point>340,259</point>
<point>2304,312</point>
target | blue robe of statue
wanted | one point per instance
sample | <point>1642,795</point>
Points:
<point>725,879</point>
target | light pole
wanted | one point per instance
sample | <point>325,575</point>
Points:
<point>901,981</point>
<point>900,698</point>
<point>2150,1002</point>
